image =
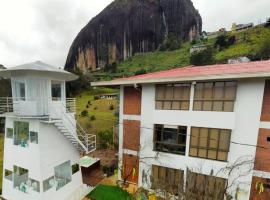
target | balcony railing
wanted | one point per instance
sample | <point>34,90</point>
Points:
<point>35,106</point>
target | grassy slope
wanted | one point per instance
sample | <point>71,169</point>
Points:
<point>248,42</point>
<point>104,192</point>
<point>105,117</point>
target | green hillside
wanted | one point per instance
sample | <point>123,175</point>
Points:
<point>247,43</point>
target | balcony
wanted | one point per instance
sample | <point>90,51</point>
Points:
<point>37,107</point>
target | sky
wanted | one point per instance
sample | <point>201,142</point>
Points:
<point>32,30</point>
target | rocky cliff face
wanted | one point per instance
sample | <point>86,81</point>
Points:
<point>126,27</point>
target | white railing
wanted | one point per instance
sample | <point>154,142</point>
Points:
<point>86,141</point>
<point>33,106</point>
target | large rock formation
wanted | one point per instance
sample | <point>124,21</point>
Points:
<point>126,27</point>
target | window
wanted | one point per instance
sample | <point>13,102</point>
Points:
<point>171,139</point>
<point>19,89</point>
<point>62,174</point>
<point>173,97</point>
<point>20,179</point>
<point>48,184</point>
<point>34,185</point>
<point>75,168</point>
<point>8,174</point>
<point>210,143</point>
<point>170,179</point>
<point>210,186</point>
<point>10,133</point>
<point>21,133</point>
<point>56,90</point>
<point>215,96</point>
<point>34,137</point>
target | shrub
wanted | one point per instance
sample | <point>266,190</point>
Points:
<point>95,108</point>
<point>105,139</point>
<point>171,42</point>
<point>93,117</point>
<point>84,113</point>
<point>140,71</point>
<point>111,107</point>
<point>96,97</point>
<point>87,106</point>
<point>264,49</point>
<point>203,57</point>
<point>223,41</point>
<point>267,24</point>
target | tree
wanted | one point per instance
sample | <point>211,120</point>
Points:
<point>171,42</point>
<point>224,41</point>
<point>264,49</point>
<point>204,57</point>
<point>267,24</point>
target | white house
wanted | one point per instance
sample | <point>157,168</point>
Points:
<point>197,131</point>
<point>43,142</point>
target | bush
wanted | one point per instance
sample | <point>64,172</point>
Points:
<point>84,113</point>
<point>170,43</point>
<point>96,97</point>
<point>111,107</point>
<point>267,24</point>
<point>203,57</point>
<point>95,108</point>
<point>105,139</point>
<point>93,117</point>
<point>264,49</point>
<point>87,106</point>
<point>223,41</point>
<point>140,71</point>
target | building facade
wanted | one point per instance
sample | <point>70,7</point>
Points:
<point>43,145</point>
<point>197,131</point>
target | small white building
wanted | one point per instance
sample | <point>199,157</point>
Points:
<point>197,131</point>
<point>43,141</point>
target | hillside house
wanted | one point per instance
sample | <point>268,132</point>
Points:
<point>198,48</point>
<point>43,141</point>
<point>240,27</point>
<point>197,131</point>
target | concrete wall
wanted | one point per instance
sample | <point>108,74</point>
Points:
<point>40,159</point>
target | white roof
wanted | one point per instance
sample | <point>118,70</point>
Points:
<point>87,161</point>
<point>39,68</point>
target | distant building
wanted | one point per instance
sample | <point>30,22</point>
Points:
<point>239,27</point>
<point>108,96</point>
<point>198,48</point>
<point>238,60</point>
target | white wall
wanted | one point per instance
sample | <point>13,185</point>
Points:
<point>244,123</point>
<point>40,159</point>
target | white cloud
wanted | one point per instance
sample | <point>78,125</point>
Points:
<point>44,29</point>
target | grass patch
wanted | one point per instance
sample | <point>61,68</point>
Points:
<point>99,110</point>
<point>105,192</point>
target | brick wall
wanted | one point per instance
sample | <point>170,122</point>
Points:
<point>132,101</point>
<point>131,135</point>
<point>265,116</point>
<point>262,160</point>
<point>255,193</point>
<point>130,162</point>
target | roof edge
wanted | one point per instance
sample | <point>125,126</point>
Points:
<point>182,79</point>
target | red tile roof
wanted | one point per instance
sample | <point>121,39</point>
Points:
<point>190,71</point>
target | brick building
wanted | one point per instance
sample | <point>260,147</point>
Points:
<point>201,130</point>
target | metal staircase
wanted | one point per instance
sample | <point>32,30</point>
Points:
<point>72,130</point>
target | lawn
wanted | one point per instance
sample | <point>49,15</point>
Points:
<point>102,113</point>
<point>105,192</point>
